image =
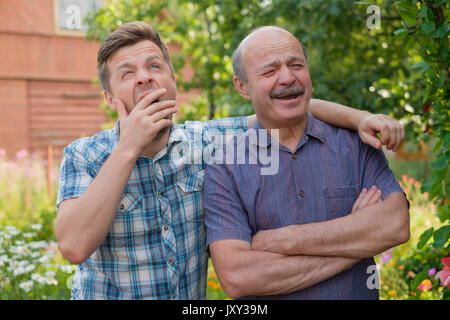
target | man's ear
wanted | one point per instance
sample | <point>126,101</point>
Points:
<point>241,88</point>
<point>109,99</point>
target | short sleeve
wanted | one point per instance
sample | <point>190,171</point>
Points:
<point>225,216</point>
<point>375,171</point>
<point>74,175</point>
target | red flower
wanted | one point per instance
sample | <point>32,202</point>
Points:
<point>444,274</point>
<point>426,108</point>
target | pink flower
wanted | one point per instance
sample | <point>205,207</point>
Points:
<point>22,154</point>
<point>444,274</point>
<point>386,256</point>
<point>432,272</point>
<point>425,285</point>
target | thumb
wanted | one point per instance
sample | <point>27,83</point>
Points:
<point>120,108</point>
<point>371,140</point>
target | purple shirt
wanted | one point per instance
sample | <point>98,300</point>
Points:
<point>320,181</point>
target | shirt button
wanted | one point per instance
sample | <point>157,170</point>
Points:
<point>302,194</point>
<point>171,262</point>
<point>294,156</point>
<point>165,228</point>
<point>122,206</point>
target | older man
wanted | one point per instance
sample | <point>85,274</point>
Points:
<point>130,207</point>
<point>302,232</point>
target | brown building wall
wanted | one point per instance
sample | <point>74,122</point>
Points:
<point>14,128</point>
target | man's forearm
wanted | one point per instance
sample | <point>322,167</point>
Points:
<point>247,272</point>
<point>336,114</point>
<point>84,222</point>
<point>362,234</point>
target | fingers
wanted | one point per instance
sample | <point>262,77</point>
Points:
<point>158,106</point>
<point>392,132</point>
<point>157,116</point>
<point>372,196</point>
<point>371,140</point>
<point>361,195</point>
<point>150,98</point>
<point>162,124</point>
<point>367,198</point>
<point>120,108</point>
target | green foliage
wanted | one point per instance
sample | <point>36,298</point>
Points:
<point>31,267</point>
<point>427,25</point>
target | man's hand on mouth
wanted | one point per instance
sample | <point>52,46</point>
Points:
<point>143,123</point>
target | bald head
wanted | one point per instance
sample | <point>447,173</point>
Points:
<point>258,34</point>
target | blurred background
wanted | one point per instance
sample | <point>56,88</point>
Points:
<point>380,56</point>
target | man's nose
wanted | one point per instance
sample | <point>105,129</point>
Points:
<point>285,76</point>
<point>143,78</point>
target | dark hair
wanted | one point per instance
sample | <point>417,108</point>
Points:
<point>125,35</point>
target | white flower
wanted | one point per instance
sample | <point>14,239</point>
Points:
<point>37,244</point>
<point>26,286</point>
<point>52,281</point>
<point>36,226</point>
<point>12,230</point>
<point>19,242</point>
<point>67,268</point>
<point>44,259</point>
<point>35,255</point>
<point>38,278</point>
<point>18,271</point>
<point>29,235</point>
<point>50,274</point>
<point>29,268</point>
<point>3,259</point>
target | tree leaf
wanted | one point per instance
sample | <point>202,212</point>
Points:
<point>427,27</point>
<point>440,163</point>
<point>424,238</point>
<point>440,32</point>
<point>401,33</point>
<point>423,65</point>
<point>441,236</point>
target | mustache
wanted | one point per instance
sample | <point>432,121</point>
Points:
<point>287,92</point>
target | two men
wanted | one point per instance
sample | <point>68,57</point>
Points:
<point>130,203</point>
<point>303,232</point>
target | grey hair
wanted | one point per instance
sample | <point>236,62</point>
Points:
<point>238,64</point>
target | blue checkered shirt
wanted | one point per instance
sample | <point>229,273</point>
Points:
<point>155,248</point>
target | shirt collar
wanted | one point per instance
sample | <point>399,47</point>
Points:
<point>314,129</point>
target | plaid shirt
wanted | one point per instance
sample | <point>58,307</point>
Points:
<point>156,245</point>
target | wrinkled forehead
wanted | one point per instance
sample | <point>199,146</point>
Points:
<point>266,44</point>
<point>138,50</point>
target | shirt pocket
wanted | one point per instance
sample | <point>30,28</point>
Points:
<point>191,187</point>
<point>339,200</point>
<point>126,239</point>
<point>128,223</point>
